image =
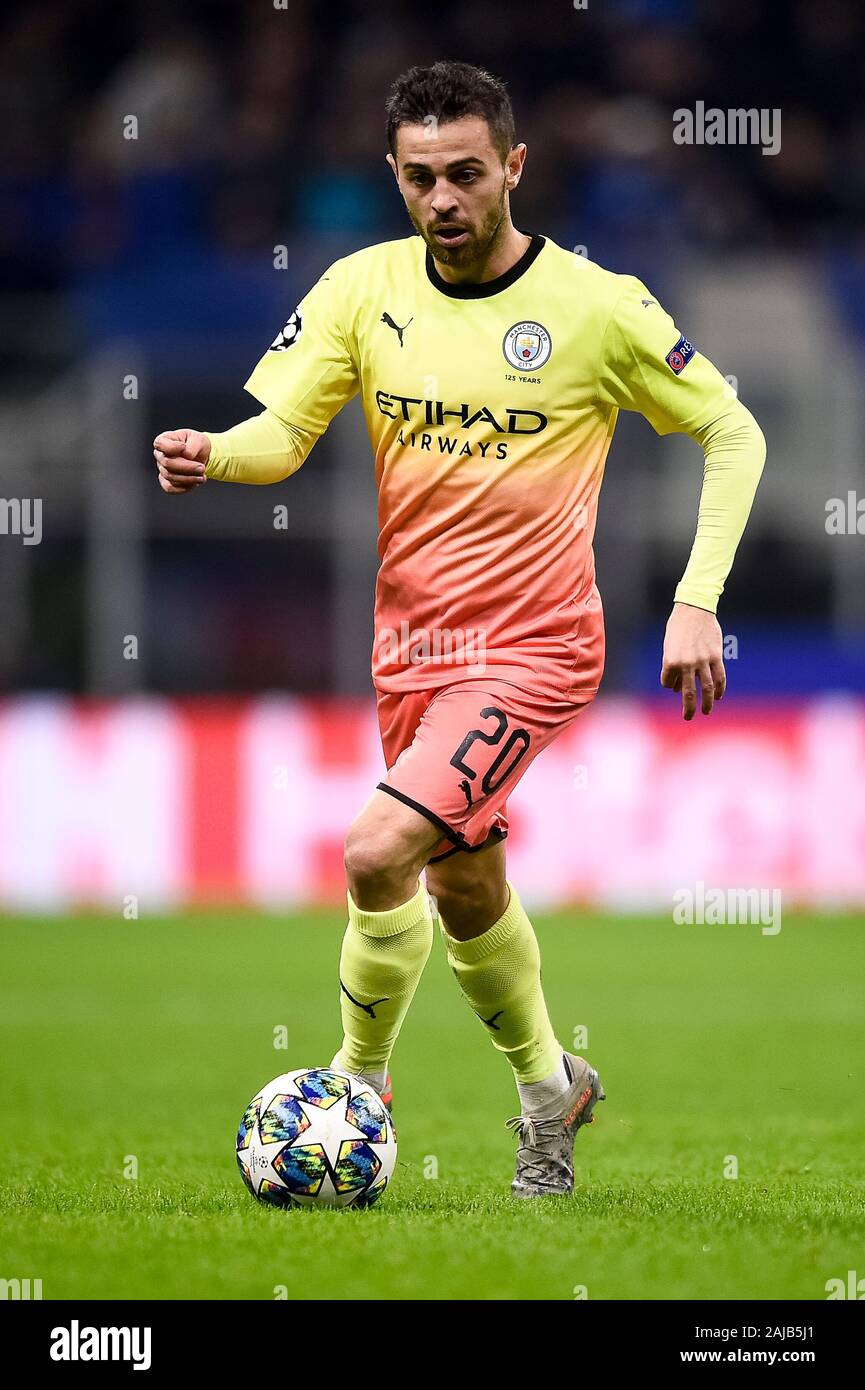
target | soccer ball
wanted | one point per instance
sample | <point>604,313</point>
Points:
<point>316,1137</point>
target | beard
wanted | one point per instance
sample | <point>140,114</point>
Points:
<point>480,243</point>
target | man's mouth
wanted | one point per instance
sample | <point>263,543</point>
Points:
<point>449,234</point>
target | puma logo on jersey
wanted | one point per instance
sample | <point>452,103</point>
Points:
<point>386,318</point>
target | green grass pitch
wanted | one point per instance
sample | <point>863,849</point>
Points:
<point>148,1038</point>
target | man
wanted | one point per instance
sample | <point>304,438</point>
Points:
<point>491,366</point>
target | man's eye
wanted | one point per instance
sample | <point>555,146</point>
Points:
<point>467,176</point>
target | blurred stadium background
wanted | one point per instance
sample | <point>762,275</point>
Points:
<point>187,712</point>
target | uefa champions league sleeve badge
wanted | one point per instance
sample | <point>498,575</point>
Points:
<point>288,336</point>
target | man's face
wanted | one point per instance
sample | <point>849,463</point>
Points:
<point>455,186</point>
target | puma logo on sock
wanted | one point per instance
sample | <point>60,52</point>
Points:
<point>367,1008</point>
<point>491,1021</point>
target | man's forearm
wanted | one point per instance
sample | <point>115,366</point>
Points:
<point>735,452</point>
<point>263,449</point>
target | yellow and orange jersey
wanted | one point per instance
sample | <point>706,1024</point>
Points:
<point>490,409</point>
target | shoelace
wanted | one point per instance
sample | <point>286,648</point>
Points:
<point>530,1131</point>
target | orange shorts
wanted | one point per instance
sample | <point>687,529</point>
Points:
<point>455,753</point>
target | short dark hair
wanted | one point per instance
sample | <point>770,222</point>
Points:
<point>449,91</point>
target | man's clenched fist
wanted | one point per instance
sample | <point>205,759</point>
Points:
<point>694,646</point>
<point>181,456</point>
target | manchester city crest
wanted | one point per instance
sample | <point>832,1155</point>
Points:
<point>527,346</point>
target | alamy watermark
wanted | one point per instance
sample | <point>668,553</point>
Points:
<point>853,1287</point>
<point>413,646</point>
<point>77,1343</point>
<point>20,1289</point>
<point>845,516</point>
<point>736,126</point>
<point>21,516</point>
<point>727,906</point>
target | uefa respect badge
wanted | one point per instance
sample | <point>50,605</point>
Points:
<point>680,355</point>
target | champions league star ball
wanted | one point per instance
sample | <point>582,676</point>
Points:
<point>316,1137</point>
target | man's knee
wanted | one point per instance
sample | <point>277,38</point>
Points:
<point>372,858</point>
<point>381,857</point>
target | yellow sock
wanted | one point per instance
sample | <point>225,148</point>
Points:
<point>382,960</point>
<point>499,972</point>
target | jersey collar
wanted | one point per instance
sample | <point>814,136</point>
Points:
<point>484,289</point>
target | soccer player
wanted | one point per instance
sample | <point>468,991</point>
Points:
<point>492,365</point>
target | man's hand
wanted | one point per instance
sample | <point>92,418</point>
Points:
<point>693,646</point>
<point>181,456</point>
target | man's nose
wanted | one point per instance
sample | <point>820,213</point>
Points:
<point>443,199</point>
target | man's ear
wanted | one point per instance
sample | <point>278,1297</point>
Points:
<point>514,166</point>
<point>392,162</point>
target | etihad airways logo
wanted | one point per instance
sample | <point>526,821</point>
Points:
<point>430,413</point>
